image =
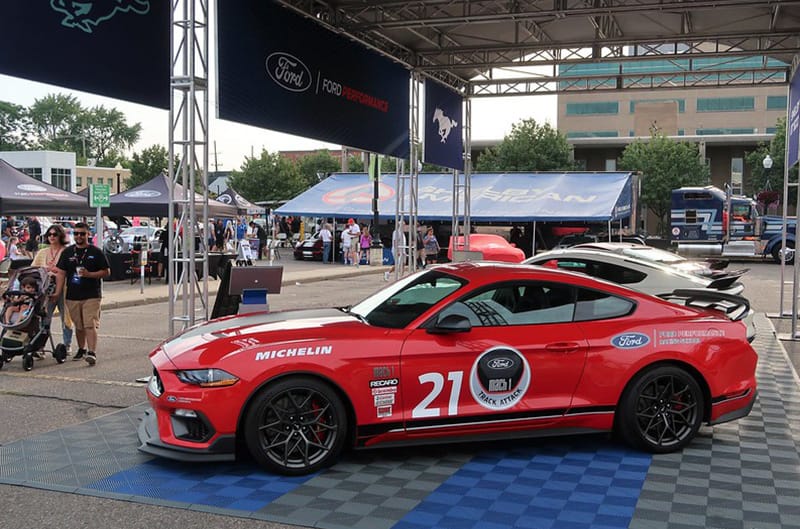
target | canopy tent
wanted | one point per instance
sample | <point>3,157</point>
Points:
<point>21,194</point>
<point>230,196</point>
<point>151,199</point>
<point>512,197</point>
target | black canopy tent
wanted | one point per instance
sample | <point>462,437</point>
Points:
<point>151,199</point>
<point>21,194</point>
<point>230,196</point>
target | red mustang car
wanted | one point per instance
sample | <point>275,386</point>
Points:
<point>458,352</point>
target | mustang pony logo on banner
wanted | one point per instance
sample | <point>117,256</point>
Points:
<point>444,145</point>
<point>86,15</point>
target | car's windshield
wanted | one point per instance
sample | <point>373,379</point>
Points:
<point>400,304</point>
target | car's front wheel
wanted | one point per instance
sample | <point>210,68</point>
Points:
<point>662,410</point>
<point>296,426</point>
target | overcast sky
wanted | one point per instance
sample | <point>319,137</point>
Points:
<point>492,119</point>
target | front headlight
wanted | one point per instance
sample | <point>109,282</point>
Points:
<point>207,378</point>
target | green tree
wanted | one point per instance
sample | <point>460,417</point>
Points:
<point>145,165</point>
<point>777,151</point>
<point>16,129</point>
<point>665,165</point>
<point>55,120</point>
<point>107,133</point>
<point>269,176</point>
<point>312,165</point>
<point>529,147</point>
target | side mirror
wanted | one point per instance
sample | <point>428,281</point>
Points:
<point>451,323</point>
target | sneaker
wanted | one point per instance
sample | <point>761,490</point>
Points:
<point>79,354</point>
<point>90,358</point>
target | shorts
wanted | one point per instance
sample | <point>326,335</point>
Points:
<point>85,313</point>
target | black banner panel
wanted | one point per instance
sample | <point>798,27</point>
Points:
<point>282,72</point>
<point>115,48</point>
<point>443,125</point>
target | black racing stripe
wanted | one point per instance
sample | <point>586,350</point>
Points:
<point>371,430</point>
<point>591,409</point>
<point>494,417</point>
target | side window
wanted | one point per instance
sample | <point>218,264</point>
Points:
<point>517,304</point>
<point>596,305</point>
<point>610,272</point>
<point>408,304</point>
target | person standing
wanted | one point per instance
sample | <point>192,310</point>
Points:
<point>399,243</point>
<point>354,232</point>
<point>327,241</point>
<point>84,266</point>
<point>48,258</point>
<point>346,250</point>
<point>365,243</point>
<point>34,235</point>
<point>431,247</point>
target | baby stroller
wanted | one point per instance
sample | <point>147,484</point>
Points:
<point>24,322</point>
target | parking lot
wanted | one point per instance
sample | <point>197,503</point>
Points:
<point>68,455</point>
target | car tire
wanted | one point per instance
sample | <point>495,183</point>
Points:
<point>776,253</point>
<point>661,411</point>
<point>296,426</point>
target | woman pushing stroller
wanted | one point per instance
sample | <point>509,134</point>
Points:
<point>56,238</point>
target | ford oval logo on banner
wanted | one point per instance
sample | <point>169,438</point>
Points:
<point>289,72</point>
<point>630,340</point>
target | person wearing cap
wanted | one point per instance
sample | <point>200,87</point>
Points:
<point>354,232</point>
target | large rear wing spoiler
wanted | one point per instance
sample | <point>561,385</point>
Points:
<point>734,307</point>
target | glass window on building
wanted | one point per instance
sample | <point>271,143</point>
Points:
<point>34,172</point>
<point>776,102</point>
<point>725,104</point>
<point>611,164</point>
<point>89,180</point>
<point>737,171</point>
<point>78,181</point>
<point>593,134</point>
<point>593,108</point>
<point>61,178</point>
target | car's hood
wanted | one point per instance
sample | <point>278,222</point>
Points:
<point>207,343</point>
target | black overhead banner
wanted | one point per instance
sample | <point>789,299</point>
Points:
<point>118,48</point>
<point>280,71</point>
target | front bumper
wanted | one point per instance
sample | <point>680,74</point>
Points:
<point>223,448</point>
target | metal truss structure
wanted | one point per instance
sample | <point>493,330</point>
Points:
<point>188,139</point>
<point>460,42</point>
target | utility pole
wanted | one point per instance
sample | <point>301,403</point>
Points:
<point>216,162</point>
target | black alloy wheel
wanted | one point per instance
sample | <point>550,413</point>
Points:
<point>296,426</point>
<point>662,410</point>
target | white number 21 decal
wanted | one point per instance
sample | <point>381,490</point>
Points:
<point>437,379</point>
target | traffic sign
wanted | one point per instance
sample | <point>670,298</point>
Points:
<point>99,195</point>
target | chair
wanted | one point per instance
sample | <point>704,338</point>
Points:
<point>136,267</point>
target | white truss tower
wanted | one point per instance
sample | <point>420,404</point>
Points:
<point>188,139</point>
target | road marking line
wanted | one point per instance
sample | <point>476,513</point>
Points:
<point>76,379</point>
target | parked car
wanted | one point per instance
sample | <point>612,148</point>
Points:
<point>132,238</point>
<point>704,267</point>
<point>647,276</point>
<point>459,351</point>
<point>493,247</point>
<point>309,249</point>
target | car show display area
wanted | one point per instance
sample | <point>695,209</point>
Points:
<point>746,475</point>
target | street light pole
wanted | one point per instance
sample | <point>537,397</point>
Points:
<point>118,167</point>
<point>767,163</point>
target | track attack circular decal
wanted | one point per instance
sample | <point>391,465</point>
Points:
<point>499,378</point>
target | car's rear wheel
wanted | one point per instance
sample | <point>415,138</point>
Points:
<point>296,426</point>
<point>662,410</point>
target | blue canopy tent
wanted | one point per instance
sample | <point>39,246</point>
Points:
<point>502,197</point>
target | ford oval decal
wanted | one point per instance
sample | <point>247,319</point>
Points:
<point>500,363</point>
<point>630,340</point>
<point>288,71</point>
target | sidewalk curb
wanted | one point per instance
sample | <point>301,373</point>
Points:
<point>287,281</point>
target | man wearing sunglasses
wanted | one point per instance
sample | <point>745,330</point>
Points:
<point>84,267</point>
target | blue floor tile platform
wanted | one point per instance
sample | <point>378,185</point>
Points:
<point>746,475</point>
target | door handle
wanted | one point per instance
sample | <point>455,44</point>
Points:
<point>562,347</point>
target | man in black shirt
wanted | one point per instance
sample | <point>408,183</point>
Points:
<point>84,267</point>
